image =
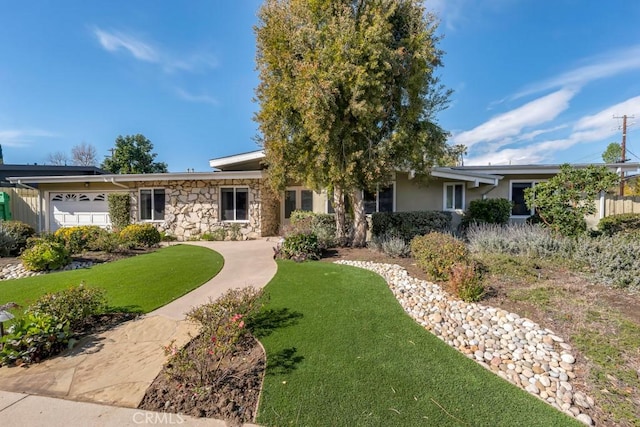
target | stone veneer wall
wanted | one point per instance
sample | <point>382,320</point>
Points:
<point>192,208</point>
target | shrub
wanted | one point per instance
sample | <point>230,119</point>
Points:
<point>106,241</point>
<point>215,235</point>
<point>45,255</point>
<point>21,232</point>
<point>141,235</point>
<point>613,224</point>
<point>490,211</point>
<point>79,238</point>
<point>466,282</point>
<point>300,247</point>
<point>408,225</point>
<point>223,323</point>
<point>436,253</point>
<point>613,259</point>
<point>8,242</point>
<point>517,239</point>
<point>167,237</point>
<point>33,338</point>
<point>322,225</point>
<point>119,210</point>
<point>73,305</point>
<point>392,245</point>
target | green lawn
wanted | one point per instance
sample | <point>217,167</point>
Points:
<point>342,352</point>
<point>141,283</point>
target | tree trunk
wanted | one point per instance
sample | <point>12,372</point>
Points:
<point>359,220</point>
<point>339,209</point>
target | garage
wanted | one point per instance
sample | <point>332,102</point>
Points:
<point>71,209</point>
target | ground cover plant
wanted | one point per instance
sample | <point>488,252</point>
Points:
<point>140,284</point>
<point>341,351</point>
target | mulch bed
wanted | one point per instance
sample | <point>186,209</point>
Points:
<point>235,400</point>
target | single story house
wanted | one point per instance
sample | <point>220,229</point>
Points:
<point>188,205</point>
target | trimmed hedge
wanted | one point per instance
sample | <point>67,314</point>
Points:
<point>488,211</point>
<point>408,225</point>
<point>141,235</point>
<point>119,210</point>
<point>613,224</point>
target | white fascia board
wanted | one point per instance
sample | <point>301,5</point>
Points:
<point>235,159</point>
<point>122,178</point>
<point>467,176</point>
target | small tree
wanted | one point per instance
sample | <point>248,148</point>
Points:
<point>84,155</point>
<point>613,153</point>
<point>563,201</point>
<point>133,154</point>
<point>119,210</point>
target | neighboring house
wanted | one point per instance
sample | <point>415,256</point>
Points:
<point>188,205</point>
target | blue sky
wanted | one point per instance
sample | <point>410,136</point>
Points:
<point>534,81</point>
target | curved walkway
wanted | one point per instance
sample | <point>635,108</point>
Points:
<point>117,366</point>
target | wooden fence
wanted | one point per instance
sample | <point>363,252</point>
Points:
<point>616,205</point>
<point>23,204</point>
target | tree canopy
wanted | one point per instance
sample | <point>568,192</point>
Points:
<point>133,154</point>
<point>564,200</point>
<point>348,93</point>
<point>84,155</point>
<point>613,153</point>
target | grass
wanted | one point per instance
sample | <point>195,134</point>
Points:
<point>342,352</point>
<point>138,284</point>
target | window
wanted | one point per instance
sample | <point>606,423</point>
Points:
<point>517,198</point>
<point>152,204</point>
<point>234,204</point>
<point>453,196</point>
<point>380,201</point>
<point>297,199</point>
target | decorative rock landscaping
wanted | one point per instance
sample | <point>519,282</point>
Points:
<point>515,348</point>
<point>18,271</point>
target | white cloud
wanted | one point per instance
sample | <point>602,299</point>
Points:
<point>512,123</point>
<point>115,40</point>
<point>22,137</point>
<point>194,62</point>
<point>588,129</point>
<point>597,67</point>
<point>199,98</point>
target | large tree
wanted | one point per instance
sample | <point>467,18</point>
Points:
<point>58,158</point>
<point>84,154</point>
<point>133,154</point>
<point>348,95</point>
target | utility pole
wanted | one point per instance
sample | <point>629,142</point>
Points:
<point>623,146</point>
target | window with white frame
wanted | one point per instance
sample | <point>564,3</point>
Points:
<point>152,202</point>
<point>516,195</point>
<point>453,196</point>
<point>234,203</point>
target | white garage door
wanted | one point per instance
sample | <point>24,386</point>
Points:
<point>69,209</point>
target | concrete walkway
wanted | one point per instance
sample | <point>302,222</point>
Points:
<point>117,366</point>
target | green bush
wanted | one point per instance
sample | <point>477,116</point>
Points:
<point>465,282</point>
<point>488,211</point>
<point>300,247</point>
<point>106,241</point>
<point>408,225</point>
<point>141,235</point>
<point>79,238</point>
<point>322,225</point>
<point>45,255</point>
<point>215,235</point>
<point>21,232</point>
<point>73,305</point>
<point>8,243</point>
<point>436,253</point>
<point>33,338</point>
<point>613,224</point>
<point>119,210</point>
